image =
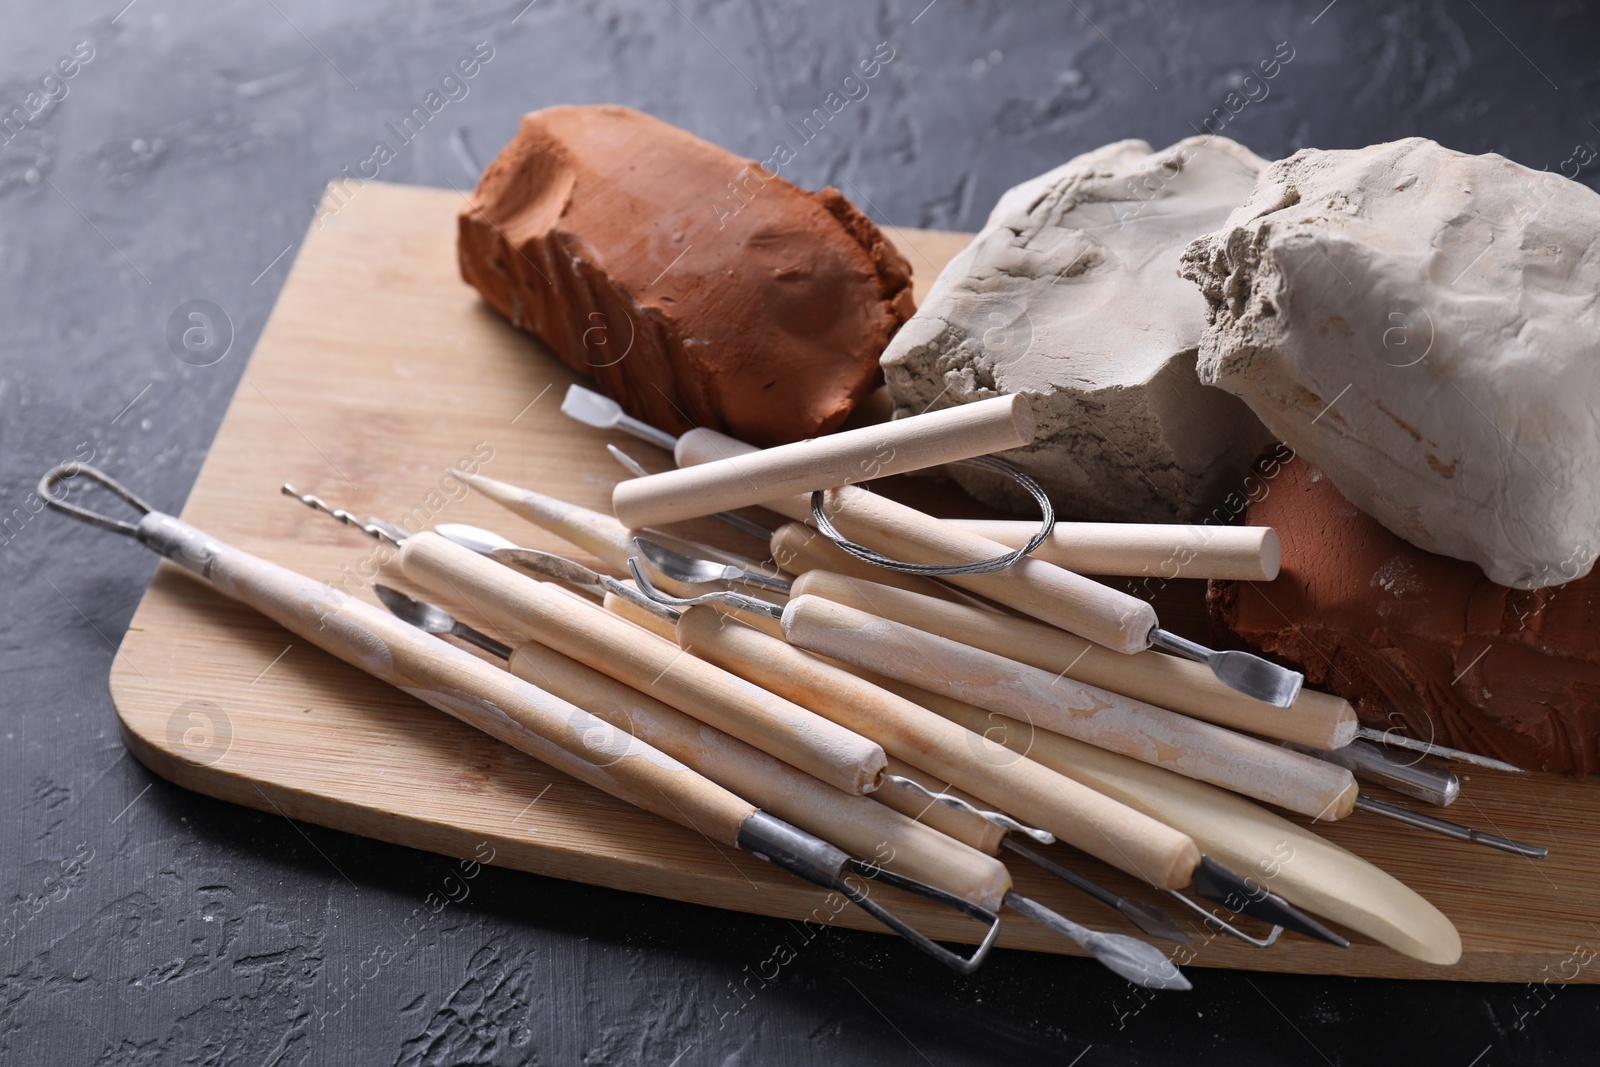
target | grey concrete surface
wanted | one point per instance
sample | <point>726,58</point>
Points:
<point>146,925</point>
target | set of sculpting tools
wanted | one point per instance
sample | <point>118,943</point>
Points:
<point>891,701</point>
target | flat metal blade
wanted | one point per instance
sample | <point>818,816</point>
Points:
<point>590,408</point>
<point>1256,677</point>
<point>1139,962</point>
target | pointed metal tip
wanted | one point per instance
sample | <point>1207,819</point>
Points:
<point>1217,883</point>
<point>1139,962</point>
<point>1428,748</point>
<point>631,465</point>
<point>1157,922</point>
<point>1455,830</point>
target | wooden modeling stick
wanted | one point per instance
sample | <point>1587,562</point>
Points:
<point>526,609</point>
<point>1142,847</point>
<point>1288,859</point>
<point>1154,735</point>
<point>1319,720</point>
<point>927,440</point>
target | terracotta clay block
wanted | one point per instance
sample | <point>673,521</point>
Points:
<point>693,286</point>
<point>1419,642</point>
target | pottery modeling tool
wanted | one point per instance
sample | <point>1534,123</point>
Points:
<point>1363,759</point>
<point>927,798</point>
<point>964,757</point>
<point>526,717</point>
<point>1316,720</point>
<point>1131,549</point>
<point>903,789</point>
<point>596,533</point>
<point>1210,879</point>
<point>855,824</point>
<point>930,439</point>
<point>1162,550</point>
<point>1290,860</point>
<point>906,789</point>
<point>608,540</point>
<point>524,608</point>
<point>603,413</point>
<point>1037,793</point>
<point>921,544</point>
<point>1194,749</point>
<point>571,574</point>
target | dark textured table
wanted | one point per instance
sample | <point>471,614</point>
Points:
<point>180,161</point>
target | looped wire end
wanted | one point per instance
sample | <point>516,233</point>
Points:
<point>65,472</point>
<point>1047,524</point>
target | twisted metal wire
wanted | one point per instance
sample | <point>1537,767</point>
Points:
<point>316,503</point>
<point>984,566</point>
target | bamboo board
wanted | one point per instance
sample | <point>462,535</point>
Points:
<point>378,370</point>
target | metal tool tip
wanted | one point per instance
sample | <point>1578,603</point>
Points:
<point>590,408</point>
<point>1218,883</point>
<point>633,466</point>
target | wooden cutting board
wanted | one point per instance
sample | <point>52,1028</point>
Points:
<point>378,370</point>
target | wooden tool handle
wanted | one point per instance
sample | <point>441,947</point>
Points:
<point>522,608</point>
<point>598,534</point>
<point>1192,748</point>
<point>1147,550</point>
<point>1290,860</point>
<point>700,446</point>
<point>970,829</point>
<point>639,616</point>
<point>1028,792</point>
<point>915,443</point>
<point>1319,720</point>
<point>1034,587</point>
<point>548,728</point>
<point>857,824</point>
<point>798,548</point>
<point>1250,553</point>
<point>1104,615</point>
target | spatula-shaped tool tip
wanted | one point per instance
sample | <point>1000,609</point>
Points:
<point>590,408</point>
<point>1250,675</point>
<point>1138,961</point>
<point>1257,677</point>
<point>603,413</point>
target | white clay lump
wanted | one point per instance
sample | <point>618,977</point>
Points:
<point>1071,294</point>
<point>1424,327</point>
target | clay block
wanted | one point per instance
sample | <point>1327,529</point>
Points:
<point>693,286</point>
<point>1419,643</point>
<point>1422,325</point>
<point>1071,294</point>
